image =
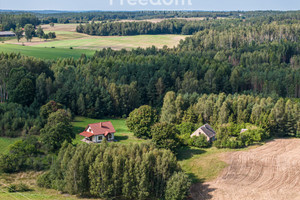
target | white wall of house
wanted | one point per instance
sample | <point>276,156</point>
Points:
<point>198,133</point>
<point>98,138</point>
<point>89,130</point>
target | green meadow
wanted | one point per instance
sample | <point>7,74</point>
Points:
<point>5,142</point>
<point>115,42</point>
<point>45,53</point>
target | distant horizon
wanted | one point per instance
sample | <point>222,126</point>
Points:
<point>147,10</point>
<point>151,5</point>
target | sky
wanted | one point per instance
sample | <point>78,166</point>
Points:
<point>131,5</point>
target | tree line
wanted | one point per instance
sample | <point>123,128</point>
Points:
<point>39,145</point>
<point>231,113</point>
<point>11,21</point>
<point>183,27</point>
<point>117,171</point>
<point>180,115</point>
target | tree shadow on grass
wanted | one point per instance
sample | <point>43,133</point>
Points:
<point>188,152</point>
<point>201,191</point>
<point>121,138</point>
<point>78,129</point>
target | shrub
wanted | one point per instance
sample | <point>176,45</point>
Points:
<point>12,188</point>
<point>21,187</point>
<point>200,141</point>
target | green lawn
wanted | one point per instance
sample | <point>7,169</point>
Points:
<point>122,135</point>
<point>5,142</point>
<point>46,53</point>
<point>202,164</point>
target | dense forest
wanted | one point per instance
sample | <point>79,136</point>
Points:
<point>230,57</point>
<point>141,28</point>
<point>8,22</point>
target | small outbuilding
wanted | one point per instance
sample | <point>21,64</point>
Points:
<point>95,133</point>
<point>206,130</point>
<point>7,34</point>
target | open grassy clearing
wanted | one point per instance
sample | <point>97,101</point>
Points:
<point>66,37</point>
<point>122,135</point>
<point>37,193</point>
<point>60,27</point>
<point>45,53</point>
<point>5,142</point>
<point>202,164</point>
<point>115,42</point>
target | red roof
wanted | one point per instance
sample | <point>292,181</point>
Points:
<point>86,134</point>
<point>101,128</point>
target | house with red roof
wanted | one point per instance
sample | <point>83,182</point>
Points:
<point>95,133</point>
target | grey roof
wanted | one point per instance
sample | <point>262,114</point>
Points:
<point>4,33</point>
<point>207,130</point>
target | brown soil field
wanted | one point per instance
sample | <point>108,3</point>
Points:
<point>60,27</point>
<point>269,172</point>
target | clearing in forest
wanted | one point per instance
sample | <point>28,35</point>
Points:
<point>67,37</point>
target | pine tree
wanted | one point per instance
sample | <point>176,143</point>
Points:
<point>81,105</point>
<point>168,113</point>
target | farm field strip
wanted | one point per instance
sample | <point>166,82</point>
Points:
<point>115,42</point>
<point>45,53</point>
<point>267,172</point>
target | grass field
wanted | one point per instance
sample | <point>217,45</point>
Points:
<point>5,142</point>
<point>122,135</point>
<point>45,53</point>
<point>29,178</point>
<point>115,42</point>
<point>202,164</point>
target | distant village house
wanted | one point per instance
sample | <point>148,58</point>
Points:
<point>7,34</point>
<point>207,131</point>
<point>95,133</point>
<point>243,130</point>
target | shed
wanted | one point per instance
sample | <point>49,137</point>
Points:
<point>206,130</point>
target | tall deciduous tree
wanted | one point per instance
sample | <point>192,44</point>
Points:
<point>57,130</point>
<point>140,121</point>
<point>19,32</point>
<point>164,135</point>
<point>40,32</point>
<point>29,31</point>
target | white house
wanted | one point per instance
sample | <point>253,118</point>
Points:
<point>95,133</point>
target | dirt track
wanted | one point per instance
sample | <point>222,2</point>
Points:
<point>269,172</point>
